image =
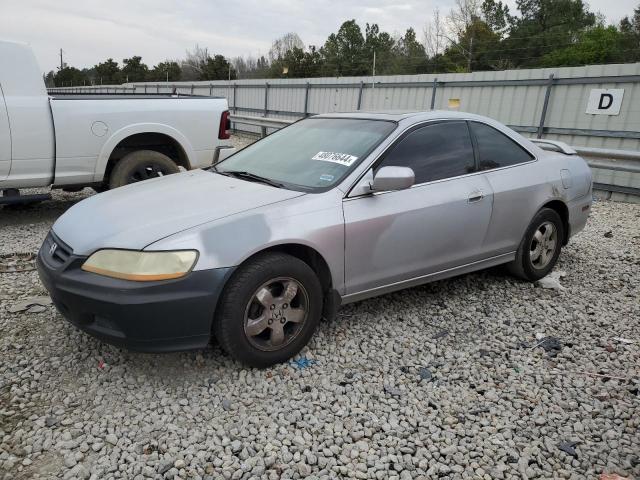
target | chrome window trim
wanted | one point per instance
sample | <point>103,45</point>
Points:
<point>425,123</point>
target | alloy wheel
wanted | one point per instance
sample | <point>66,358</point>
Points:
<point>543,245</point>
<point>276,313</point>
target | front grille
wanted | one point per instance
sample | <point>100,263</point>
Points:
<point>59,255</point>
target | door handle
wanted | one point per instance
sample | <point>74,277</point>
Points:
<point>475,196</point>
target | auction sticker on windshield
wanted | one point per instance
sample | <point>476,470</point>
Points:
<point>341,158</point>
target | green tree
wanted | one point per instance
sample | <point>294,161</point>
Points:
<point>70,77</point>
<point>50,79</point>
<point>217,68</point>
<point>593,46</point>
<point>344,52</point>
<point>134,70</point>
<point>107,73</point>
<point>382,44</point>
<point>165,71</point>
<point>410,55</point>
<point>544,26</point>
<point>496,16</point>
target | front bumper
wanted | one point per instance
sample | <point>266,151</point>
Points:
<point>160,316</point>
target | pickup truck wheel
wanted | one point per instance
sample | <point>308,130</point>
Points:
<point>141,165</point>
<point>540,247</point>
<point>269,310</point>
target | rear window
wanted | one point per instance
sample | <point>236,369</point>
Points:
<point>313,154</point>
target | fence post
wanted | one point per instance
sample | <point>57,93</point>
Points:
<point>306,100</point>
<point>360,94</point>
<point>433,93</point>
<point>263,130</point>
<point>235,103</point>
<point>543,115</point>
<point>211,90</point>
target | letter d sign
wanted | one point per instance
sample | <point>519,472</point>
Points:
<point>605,101</point>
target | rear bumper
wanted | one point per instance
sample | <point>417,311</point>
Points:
<point>579,211</point>
<point>144,316</point>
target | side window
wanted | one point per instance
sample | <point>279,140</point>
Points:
<point>434,152</point>
<point>495,149</point>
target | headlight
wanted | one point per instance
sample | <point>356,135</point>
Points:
<point>141,266</point>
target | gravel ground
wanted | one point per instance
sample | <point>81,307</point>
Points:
<point>455,379</point>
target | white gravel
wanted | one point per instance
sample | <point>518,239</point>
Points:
<point>448,380</point>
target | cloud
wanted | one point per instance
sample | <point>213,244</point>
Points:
<point>89,31</point>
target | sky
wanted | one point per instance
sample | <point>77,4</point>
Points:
<point>90,31</point>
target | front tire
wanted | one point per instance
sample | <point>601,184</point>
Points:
<point>141,165</point>
<point>540,247</point>
<point>269,310</point>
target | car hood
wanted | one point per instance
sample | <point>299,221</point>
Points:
<point>137,215</point>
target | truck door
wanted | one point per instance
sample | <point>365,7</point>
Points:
<point>5,139</point>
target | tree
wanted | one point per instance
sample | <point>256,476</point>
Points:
<point>134,70</point>
<point>410,54</point>
<point>281,46</point>
<point>596,45</point>
<point>344,52</point>
<point>69,77</point>
<point>167,71</point>
<point>199,65</point>
<point>496,16</point>
<point>217,68</point>
<point>107,73</point>
<point>50,79</point>
<point>380,43</point>
<point>544,26</point>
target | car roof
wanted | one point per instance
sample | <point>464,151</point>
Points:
<point>398,115</point>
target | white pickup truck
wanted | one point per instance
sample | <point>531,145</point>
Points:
<point>102,141</point>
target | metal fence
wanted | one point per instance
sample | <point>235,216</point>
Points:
<point>544,103</point>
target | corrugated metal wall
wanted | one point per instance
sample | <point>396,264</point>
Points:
<point>514,97</point>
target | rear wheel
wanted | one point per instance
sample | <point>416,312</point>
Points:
<point>141,165</point>
<point>540,247</point>
<point>269,310</point>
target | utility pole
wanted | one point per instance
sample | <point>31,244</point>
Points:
<point>470,54</point>
<point>61,62</point>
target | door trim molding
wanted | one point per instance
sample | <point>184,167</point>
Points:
<point>430,277</point>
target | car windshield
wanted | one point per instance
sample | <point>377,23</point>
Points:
<point>310,155</point>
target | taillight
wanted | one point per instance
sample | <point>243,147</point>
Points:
<point>225,126</point>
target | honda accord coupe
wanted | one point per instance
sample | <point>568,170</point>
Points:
<point>333,209</point>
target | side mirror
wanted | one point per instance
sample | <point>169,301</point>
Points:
<point>393,178</point>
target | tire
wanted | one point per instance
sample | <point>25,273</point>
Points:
<point>530,263</point>
<point>247,325</point>
<point>141,165</point>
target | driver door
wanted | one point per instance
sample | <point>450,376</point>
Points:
<point>438,224</point>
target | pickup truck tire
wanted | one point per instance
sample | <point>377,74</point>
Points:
<point>269,310</point>
<point>141,165</point>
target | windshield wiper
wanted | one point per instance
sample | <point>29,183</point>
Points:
<point>251,177</point>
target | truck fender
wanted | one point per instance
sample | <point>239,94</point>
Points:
<point>125,132</point>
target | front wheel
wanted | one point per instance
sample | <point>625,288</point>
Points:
<point>540,247</point>
<point>269,310</point>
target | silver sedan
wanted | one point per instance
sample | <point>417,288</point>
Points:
<point>333,209</point>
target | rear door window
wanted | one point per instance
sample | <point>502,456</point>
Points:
<point>495,149</point>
